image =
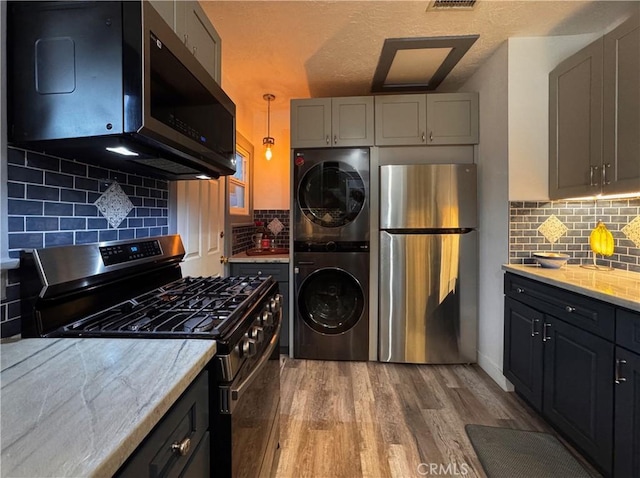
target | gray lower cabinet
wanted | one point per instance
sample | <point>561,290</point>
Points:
<point>280,272</point>
<point>179,445</point>
<point>560,354</point>
<point>594,117</point>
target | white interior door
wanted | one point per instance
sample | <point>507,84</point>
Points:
<point>200,223</point>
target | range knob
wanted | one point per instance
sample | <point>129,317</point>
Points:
<point>267,318</point>
<point>256,333</point>
<point>248,348</point>
<point>278,298</point>
<point>272,305</point>
<point>331,246</point>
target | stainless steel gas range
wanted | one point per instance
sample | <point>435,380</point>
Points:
<point>135,288</point>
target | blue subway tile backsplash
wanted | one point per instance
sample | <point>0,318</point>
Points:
<point>51,203</point>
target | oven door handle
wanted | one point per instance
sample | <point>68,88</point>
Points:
<point>237,391</point>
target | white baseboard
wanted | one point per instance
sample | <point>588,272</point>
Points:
<point>495,372</point>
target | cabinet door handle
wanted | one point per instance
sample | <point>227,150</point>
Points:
<point>604,173</point>
<point>519,290</point>
<point>424,138</point>
<point>186,38</point>
<point>534,332</point>
<point>328,140</point>
<point>570,309</point>
<point>195,50</point>
<point>619,379</point>
<point>181,448</point>
<point>335,139</point>
<point>545,337</point>
<point>592,171</point>
<point>431,136</point>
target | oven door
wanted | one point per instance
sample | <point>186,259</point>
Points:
<point>247,428</point>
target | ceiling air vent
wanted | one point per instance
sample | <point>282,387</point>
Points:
<point>442,5</point>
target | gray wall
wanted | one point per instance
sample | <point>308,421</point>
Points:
<point>491,82</point>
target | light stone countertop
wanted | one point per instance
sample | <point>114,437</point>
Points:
<point>273,258</point>
<point>617,287</point>
<point>80,407</point>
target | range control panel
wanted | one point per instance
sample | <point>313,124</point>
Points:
<point>120,253</point>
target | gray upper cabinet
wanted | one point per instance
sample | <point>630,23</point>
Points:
<point>452,118</point>
<point>621,108</point>
<point>401,120</point>
<point>167,10</point>
<point>594,111</point>
<point>329,122</point>
<point>575,124</point>
<point>427,119</point>
<point>191,24</point>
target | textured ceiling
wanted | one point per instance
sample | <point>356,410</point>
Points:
<point>300,49</point>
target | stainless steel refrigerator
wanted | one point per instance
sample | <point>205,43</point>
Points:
<point>428,263</point>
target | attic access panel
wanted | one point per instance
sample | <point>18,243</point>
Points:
<point>418,64</point>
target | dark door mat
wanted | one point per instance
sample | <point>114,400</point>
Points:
<point>508,453</point>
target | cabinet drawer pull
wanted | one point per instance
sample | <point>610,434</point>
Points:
<point>534,332</point>
<point>545,337</point>
<point>619,379</point>
<point>519,290</point>
<point>181,448</point>
<point>570,309</point>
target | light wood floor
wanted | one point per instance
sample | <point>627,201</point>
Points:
<point>377,420</point>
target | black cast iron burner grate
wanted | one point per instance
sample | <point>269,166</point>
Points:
<point>206,307</point>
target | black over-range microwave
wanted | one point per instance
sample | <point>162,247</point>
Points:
<point>111,83</point>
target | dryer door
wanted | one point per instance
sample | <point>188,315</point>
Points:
<point>331,301</point>
<point>331,194</point>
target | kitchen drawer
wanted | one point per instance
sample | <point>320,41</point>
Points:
<point>628,329</point>
<point>280,272</point>
<point>185,423</point>
<point>589,314</point>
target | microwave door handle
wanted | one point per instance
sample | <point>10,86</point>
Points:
<point>238,390</point>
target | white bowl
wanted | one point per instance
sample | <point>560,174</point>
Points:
<point>551,260</point>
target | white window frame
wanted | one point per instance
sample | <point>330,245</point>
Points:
<point>245,214</point>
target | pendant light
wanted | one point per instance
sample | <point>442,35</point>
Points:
<point>268,141</point>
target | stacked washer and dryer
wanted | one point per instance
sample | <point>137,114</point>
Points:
<point>331,253</point>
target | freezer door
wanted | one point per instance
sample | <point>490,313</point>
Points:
<point>428,196</point>
<point>428,298</point>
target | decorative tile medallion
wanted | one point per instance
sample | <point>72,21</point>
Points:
<point>114,204</point>
<point>275,226</point>
<point>552,229</point>
<point>632,231</point>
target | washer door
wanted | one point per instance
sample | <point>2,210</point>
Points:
<point>331,301</point>
<point>331,194</point>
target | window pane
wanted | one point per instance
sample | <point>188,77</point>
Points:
<point>239,175</point>
<point>236,196</point>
